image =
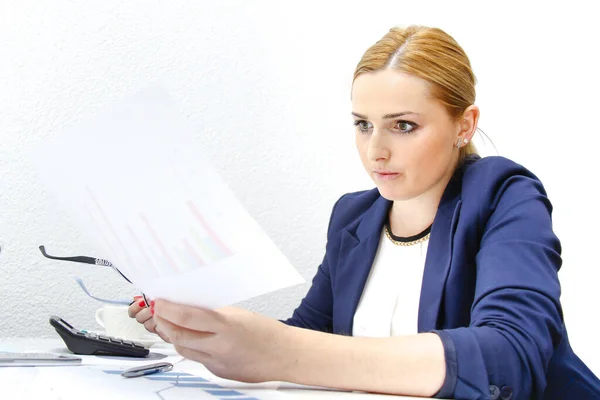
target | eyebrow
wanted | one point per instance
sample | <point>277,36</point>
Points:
<point>387,116</point>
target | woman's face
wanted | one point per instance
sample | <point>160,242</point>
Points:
<point>405,138</point>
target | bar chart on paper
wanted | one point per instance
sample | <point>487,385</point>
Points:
<point>140,244</point>
<point>157,208</point>
<point>105,382</point>
<point>180,385</point>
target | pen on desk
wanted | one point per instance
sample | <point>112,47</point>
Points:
<point>147,370</point>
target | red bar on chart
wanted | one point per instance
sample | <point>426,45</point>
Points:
<point>192,253</point>
<point>213,236</point>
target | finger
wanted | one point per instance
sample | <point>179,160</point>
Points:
<point>135,307</point>
<point>161,334</point>
<point>150,325</point>
<point>184,337</point>
<point>193,318</point>
<point>143,316</point>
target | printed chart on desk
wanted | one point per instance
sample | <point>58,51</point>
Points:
<point>75,383</point>
<point>143,190</point>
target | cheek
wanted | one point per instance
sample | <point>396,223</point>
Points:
<point>361,146</point>
<point>359,140</point>
<point>431,156</point>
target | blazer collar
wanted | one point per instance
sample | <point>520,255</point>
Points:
<point>439,255</point>
<point>372,221</point>
<point>361,241</point>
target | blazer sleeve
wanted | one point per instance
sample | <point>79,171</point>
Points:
<point>516,318</point>
<point>316,309</point>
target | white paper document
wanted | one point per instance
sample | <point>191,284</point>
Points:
<point>94,383</point>
<point>104,382</point>
<point>140,187</point>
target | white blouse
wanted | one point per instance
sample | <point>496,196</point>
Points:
<point>389,305</point>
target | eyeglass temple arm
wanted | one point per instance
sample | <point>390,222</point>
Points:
<point>80,259</point>
<point>86,260</point>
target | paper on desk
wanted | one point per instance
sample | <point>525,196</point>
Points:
<point>91,383</point>
<point>140,186</point>
<point>75,383</point>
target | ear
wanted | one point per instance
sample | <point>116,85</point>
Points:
<point>468,123</point>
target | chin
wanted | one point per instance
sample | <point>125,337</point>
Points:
<point>394,195</point>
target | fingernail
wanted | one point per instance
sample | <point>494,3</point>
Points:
<point>142,303</point>
<point>152,307</point>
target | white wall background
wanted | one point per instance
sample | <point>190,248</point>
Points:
<point>266,85</point>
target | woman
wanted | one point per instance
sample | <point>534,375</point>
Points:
<point>474,234</point>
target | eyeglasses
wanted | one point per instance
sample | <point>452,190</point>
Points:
<point>93,261</point>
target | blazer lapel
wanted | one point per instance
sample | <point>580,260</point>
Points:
<point>439,255</point>
<point>360,242</point>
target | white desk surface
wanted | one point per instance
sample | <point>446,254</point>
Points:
<point>91,380</point>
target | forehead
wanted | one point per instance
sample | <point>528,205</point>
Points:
<point>388,91</point>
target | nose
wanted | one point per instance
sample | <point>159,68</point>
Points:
<point>377,148</point>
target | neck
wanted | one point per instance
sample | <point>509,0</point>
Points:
<point>411,217</point>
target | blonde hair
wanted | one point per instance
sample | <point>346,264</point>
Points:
<point>430,54</point>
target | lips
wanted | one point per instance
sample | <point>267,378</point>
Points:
<point>386,175</point>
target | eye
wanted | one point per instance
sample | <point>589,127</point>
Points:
<point>363,126</point>
<point>405,127</point>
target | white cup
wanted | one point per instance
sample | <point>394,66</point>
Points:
<point>116,322</point>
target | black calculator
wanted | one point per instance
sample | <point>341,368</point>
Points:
<point>87,343</point>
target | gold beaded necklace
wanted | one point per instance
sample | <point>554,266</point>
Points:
<point>402,243</point>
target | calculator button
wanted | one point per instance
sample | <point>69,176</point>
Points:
<point>104,338</point>
<point>115,340</point>
<point>128,342</point>
<point>80,333</point>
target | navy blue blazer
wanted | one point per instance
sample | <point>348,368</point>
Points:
<point>490,287</point>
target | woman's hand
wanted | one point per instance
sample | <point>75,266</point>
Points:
<point>143,315</point>
<point>231,343</point>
